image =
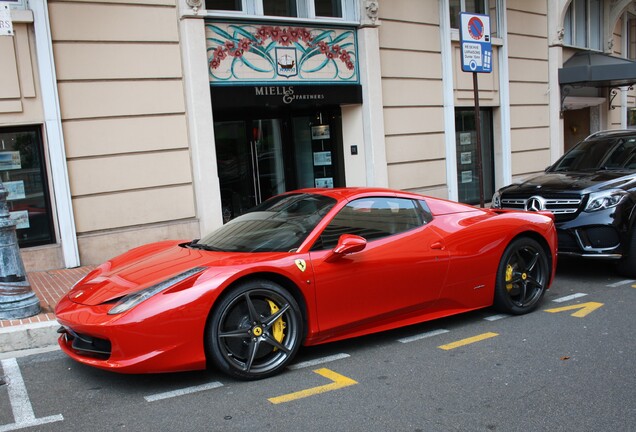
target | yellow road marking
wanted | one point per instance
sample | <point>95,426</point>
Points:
<point>339,381</point>
<point>468,341</point>
<point>586,308</point>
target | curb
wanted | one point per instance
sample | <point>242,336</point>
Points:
<point>28,336</point>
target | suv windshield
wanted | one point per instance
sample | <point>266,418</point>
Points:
<point>280,224</point>
<point>599,154</point>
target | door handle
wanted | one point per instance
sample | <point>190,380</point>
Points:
<point>438,245</point>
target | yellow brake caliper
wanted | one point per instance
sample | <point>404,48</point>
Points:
<point>278,329</point>
<point>509,277</point>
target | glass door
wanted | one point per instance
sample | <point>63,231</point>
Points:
<point>259,157</point>
<point>250,163</point>
<point>467,155</point>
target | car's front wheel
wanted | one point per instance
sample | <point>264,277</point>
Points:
<point>255,330</point>
<point>522,277</point>
<point>627,265</point>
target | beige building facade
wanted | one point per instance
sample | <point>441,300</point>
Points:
<point>126,122</point>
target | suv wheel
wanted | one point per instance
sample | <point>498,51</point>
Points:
<point>627,265</point>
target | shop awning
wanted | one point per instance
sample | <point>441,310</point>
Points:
<point>592,69</point>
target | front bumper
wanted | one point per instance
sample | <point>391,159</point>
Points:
<point>139,341</point>
<point>599,234</point>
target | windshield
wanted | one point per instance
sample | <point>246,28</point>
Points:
<point>280,224</point>
<point>601,154</point>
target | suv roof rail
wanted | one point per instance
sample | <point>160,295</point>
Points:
<point>610,133</point>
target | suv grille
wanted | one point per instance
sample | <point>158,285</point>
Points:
<point>564,208</point>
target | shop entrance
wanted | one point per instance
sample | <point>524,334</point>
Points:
<point>265,153</point>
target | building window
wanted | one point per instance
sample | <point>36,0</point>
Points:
<point>224,5</point>
<point>631,37</point>
<point>328,8</point>
<point>467,156</point>
<point>325,9</point>
<point>285,8</point>
<point>631,118</point>
<point>484,7</point>
<point>23,175</point>
<point>583,24</point>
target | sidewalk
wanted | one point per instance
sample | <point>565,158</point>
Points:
<point>40,331</point>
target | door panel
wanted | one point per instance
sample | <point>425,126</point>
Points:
<point>267,154</point>
<point>234,160</point>
<point>250,163</point>
<point>398,274</point>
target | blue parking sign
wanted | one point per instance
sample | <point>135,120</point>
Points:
<point>476,47</point>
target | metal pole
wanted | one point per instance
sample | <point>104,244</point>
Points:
<point>17,300</point>
<point>480,170</point>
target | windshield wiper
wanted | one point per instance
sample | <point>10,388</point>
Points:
<point>195,245</point>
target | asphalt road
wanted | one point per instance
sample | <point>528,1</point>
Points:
<point>550,370</point>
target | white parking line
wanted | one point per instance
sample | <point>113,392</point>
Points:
<point>621,283</point>
<point>183,391</point>
<point>19,399</point>
<point>311,363</point>
<point>496,317</point>
<point>423,336</point>
<point>568,298</point>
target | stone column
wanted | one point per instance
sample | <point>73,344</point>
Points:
<point>17,300</point>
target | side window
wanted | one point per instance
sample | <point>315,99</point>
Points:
<point>372,218</point>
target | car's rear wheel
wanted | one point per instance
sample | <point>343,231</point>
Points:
<point>255,330</point>
<point>522,277</point>
<point>627,265</point>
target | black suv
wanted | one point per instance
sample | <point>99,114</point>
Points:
<point>591,190</point>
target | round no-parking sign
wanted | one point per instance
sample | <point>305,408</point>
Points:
<point>475,43</point>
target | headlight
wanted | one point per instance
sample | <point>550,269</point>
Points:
<point>131,300</point>
<point>604,200</point>
<point>496,200</point>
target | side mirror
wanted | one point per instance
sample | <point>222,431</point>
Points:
<point>347,244</point>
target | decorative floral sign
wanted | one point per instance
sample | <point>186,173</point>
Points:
<point>267,54</point>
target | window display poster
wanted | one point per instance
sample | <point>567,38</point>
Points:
<point>467,176</point>
<point>320,132</point>
<point>326,182</point>
<point>322,158</point>
<point>465,138</point>
<point>20,219</point>
<point>466,158</point>
<point>10,160</point>
<point>15,190</point>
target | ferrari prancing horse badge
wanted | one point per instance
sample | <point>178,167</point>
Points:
<point>301,264</point>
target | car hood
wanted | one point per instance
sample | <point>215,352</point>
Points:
<point>147,266</point>
<point>567,182</point>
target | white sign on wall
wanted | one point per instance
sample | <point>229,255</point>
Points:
<point>6,25</point>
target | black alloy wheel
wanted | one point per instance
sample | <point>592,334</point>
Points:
<point>255,330</point>
<point>522,277</point>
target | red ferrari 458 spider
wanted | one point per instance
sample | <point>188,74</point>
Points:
<point>306,267</point>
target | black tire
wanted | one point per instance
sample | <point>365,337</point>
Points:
<point>254,331</point>
<point>627,265</point>
<point>522,277</point>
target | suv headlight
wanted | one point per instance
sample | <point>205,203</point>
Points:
<point>604,200</point>
<point>496,200</point>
